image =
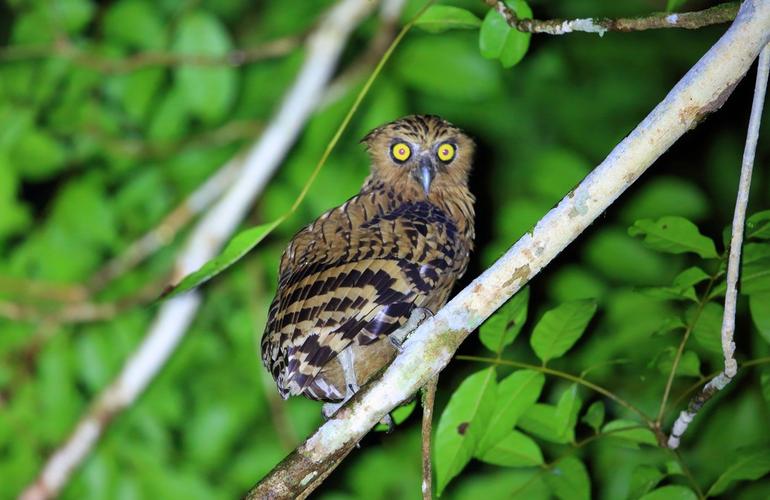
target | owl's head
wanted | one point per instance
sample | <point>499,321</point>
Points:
<point>420,154</point>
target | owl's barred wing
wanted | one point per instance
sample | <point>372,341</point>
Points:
<point>402,259</point>
<point>370,301</point>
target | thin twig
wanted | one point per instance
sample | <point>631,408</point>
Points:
<point>430,348</point>
<point>734,262</point>
<point>428,401</point>
<point>718,14</point>
<point>680,350</point>
<point>324,48</point>
<point>234,131</point>
<point>22,288</point>
<point>65,49</point>
<point>694,387</point>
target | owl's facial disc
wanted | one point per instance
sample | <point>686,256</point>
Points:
<point>424,171</point>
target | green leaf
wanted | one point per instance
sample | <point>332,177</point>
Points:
<point>628,430</point>
<point>671,492</point>
<point>620,258</point>
<point>514,450</point>
<point>557,171</point>
<point>515,394</point>
<point>239,246</point>
<point>83,210</point>
<point>594,416</point>
<point>683,287</point>
<point>501,329</point>
<point>74,15</point>
<point>665,195</point>
<point>497,40</point>
<point>759,306</point>
<point>575,282</point>
<point>208,91</point>
<point>755,268</point>
<point>559,329</point>
<point>16,216</point>
<point>708,327</point>
<point>765,384</point>
<point>689,364</point>
<point>747,464</point>
<point>37,155</point>
<point>398,415</point>
<point>462,424</point>
<point>446,66</point>
<point>690,277</point>
<point>643,479</point>
<point>758,226</point>
<point>440,18</point>
<point>669,293</point>
<point>554,423</point>
<point>568,479</point>
<point>674,235</point>
<point>135,23</point>
<point>670,324</point>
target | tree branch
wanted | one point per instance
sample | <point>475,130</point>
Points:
<point>65,49</point>
<point>430,348</point>
<point>428,403</point>
<point>324,47</point>
<point>688,20</point>
<point>734,263</point>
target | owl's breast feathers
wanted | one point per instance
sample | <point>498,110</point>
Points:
<point>353,277</point>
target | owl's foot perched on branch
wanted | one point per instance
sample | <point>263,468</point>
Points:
<point>347,360</point>
<point>418,316</point>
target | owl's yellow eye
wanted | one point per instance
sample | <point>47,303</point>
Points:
<point>446,152</point>
<point>401,152</point>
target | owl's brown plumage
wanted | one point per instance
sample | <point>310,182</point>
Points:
<point>353,277</point>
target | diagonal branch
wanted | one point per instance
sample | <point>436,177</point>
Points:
<point>323,50</point>
<point>718,14</point>
<point>734,263</point>
<point>430,348</point>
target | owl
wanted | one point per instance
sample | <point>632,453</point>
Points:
<point>350,281</point>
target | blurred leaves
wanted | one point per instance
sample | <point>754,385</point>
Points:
<point>99,144</point>
<point>209,92</point>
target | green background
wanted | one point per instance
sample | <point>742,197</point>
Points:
<point>92,158</point>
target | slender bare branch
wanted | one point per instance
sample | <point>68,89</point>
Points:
<point>66,49</point>
<point>734,263</point>
<point>429,349</point>
<point>428,402</point>
<point>324,47</point>
<point>722,13</point>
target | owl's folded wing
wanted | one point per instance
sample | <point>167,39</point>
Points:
<point>404,259</point>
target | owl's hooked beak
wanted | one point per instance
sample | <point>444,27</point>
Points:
<point>425,172</point>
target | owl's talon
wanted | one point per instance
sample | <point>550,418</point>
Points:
<point>418,316</point>
<point>388,420</point>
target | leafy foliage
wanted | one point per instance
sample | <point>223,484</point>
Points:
<point>113,113</point>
